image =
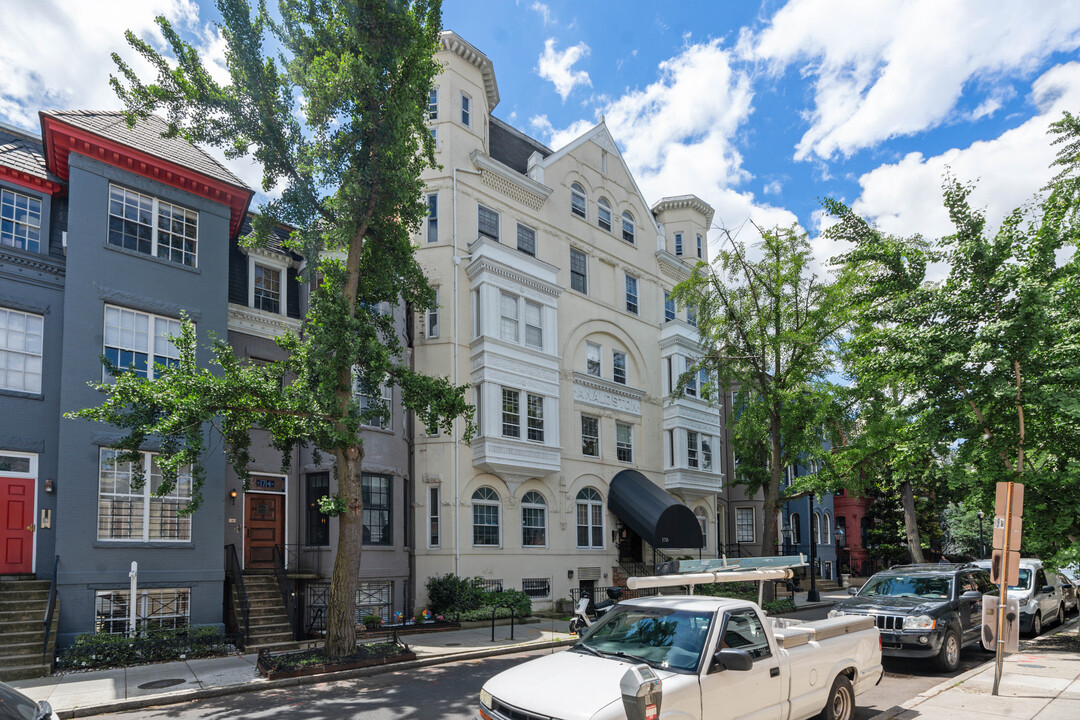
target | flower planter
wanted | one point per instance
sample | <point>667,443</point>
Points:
<point>274,674</point>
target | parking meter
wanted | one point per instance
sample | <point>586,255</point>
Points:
<point>641,692</point>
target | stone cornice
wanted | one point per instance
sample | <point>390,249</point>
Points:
<point>34,261</point>
<point>452,42</point>
<point>483,264</point>
<point>526,183</point>
<point>691,202</point>
<point>253,322</point>
<point>591,381</point>
<point>673,266</point>
<point>274,256</point>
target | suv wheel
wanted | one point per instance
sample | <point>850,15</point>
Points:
<point>1061,614</point>
<point>1036,625</point>
<point>948,658</point>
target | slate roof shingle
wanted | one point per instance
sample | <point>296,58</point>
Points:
<point>512,147</point>
<point>25,155</point>
<point>146,136</point>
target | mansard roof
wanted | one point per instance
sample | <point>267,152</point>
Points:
<point>22,161</point>
<point>512,147</point>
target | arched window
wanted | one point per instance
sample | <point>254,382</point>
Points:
<point>796,529</point>
<point>628,227</point>
<point>826,531</point>
<point>815,531</point>
<point>590,519</point>
<point>577,201</point>
<point>533,520</point>
<point>603,214</point>
<point>703,521</point>
<point>485,513</point>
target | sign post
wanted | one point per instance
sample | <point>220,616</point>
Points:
<point>1005,563</point>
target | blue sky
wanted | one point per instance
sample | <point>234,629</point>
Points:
<point>761,109</point>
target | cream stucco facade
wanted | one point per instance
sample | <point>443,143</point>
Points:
<point>551,271</point>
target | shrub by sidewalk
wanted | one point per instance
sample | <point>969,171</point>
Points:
<point>98,651</point>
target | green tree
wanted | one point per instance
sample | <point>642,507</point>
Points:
<point>330,98</point>
<point>769,329</point>
<point>990,355</point>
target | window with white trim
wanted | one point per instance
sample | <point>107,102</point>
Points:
<point>140,342</point>
<point>466,110</point>
<point>826,530</point>
<point>508,313</point>
<point>706,452</point>
<point>669,307</point>
<point>137,514</point>
<point>267,288</point>
<point>631,294</point>
<point>151,226</point>
<point>534,408</point>
<point>487,222</point>
<point>526,239</point>
<point>433,104</point>
<point>534,325</point>
<point>432,329</point>
<point>485,506</point>
<point>21,336</point>
<point>511,412</point>
<point>20,221</point>
<point>678,244</point>
<point>618,367</point>
<point>376,492</point>
<point>593,359</point>
<point>624,442</point>
<point>579,271</point>
<point>691,315</point>
<point>744,524</point>
<point>590,436</point>
<point>691,386</point>
<point>533,520</point>
<point>691,449</point>
<point>700,248</point>
<point>590,519</point>
<point>155,609</point>
<point>603,214</point>
<point>433,217</point>
<point>628,227</point>
<point>577,201</point>
<point>379,408</point>
<point>434,517</point>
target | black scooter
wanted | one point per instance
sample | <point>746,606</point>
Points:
<point>583,619</point>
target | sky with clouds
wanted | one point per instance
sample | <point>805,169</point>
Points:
<point>761,109</point>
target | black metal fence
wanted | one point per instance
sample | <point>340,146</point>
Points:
<point>303,559</point>
<point>600,593</point>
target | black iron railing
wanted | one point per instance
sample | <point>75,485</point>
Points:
<point>50,608</point>
<point>301,559</point>
<point>234,587</point>
<point>287,594</point>
<point>600,593</point>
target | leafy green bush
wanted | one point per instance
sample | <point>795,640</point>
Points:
<point>777,607</point>
<point>484,614</point>
<point>451,594</point>
<point>522,603</point>
<point>101,650</point>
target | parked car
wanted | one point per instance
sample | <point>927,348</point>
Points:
<point>16,706</point>
<point>1068,592</point>
<point>1039,594</point>
<point>924,611</point>
<point>714,658</point>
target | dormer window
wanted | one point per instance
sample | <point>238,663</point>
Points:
<point>267,288</point>
<point>603,214</point>
<point>577,201</point>
<point>628,227</point>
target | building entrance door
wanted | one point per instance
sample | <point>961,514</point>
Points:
<point>16,525</point>
<point>264,519</point>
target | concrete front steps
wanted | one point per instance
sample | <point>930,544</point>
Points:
<point>270,629</point>
<point>23,602</point>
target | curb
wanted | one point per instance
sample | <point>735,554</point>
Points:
<point>183,696</point>
<point>925,695</point>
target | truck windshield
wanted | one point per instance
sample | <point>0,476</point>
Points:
<point>919,586</point>
<point>669,639</point>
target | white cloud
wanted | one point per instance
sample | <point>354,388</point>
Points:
<point>893,67</point>
<point>773,188</point>
<point>545,13</point>
<point>904,198</point>
<point>558,67</point>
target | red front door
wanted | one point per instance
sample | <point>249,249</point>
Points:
<point>16,535</point>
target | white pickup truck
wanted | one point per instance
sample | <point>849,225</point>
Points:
<point>716,658</point>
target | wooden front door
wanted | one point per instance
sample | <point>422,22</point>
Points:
<point>16,533</point>
<point>265,520</point>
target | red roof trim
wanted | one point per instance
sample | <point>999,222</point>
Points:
<point>61,139</point>
<point>31,182</point>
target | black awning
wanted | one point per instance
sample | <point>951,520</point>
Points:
<point>660,519</point>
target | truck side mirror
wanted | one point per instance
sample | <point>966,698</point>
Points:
<point>1048,589</point>
<point>728,659</point>
<point>853,590</point>
<point>972,595</point>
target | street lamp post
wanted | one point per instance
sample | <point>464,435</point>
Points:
<point>982,545</point>
<point>840,536</point>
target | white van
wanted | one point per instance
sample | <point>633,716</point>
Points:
<point>1039,594</point>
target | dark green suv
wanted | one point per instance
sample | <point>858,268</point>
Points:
<point>924,611</point>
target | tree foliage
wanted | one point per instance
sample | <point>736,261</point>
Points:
<point>769,328</point>
<point>329,97</point>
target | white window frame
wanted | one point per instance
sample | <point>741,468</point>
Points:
<point>386,396</point>
<point>466,110</point>
<point>534,423</point>
<point>739,537</point>
<point>590,504</point>
<point>591,362</point>
<point>629,233</point>
<point>528,503</point>
<point>498,222</point>
<point>579,201</point>
<point>670,313</point>
<point>826,529</point>
<point>537,328</point>
<point>434,516</point>
<point>156,212</point>
<point>691,387</point>
<point>627,446</point>
<point>616,370</point>
<point>144,496</point>
<point>693,449</point>
<point>678,244</point>
<point>603,214</point>
<point>700,249</point>
<point>152,337</point>
<point>488,502</point>
<point>431,326</point>
<point>520,227</point>
<point>17,348</point>
<point>433,103</point>
<point>433,218</point>
<point>505,415</point>
<point>509,325</point>
<point>595,438</point>
<point>584,275</point>
<point>9,200</point>
<point>271,271</point>
<point>633,299</point>
<point>274,264</point>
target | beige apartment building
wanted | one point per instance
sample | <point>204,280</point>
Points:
<point>552,273</point>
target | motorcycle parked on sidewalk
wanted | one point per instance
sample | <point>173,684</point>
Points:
<point>583,619</point>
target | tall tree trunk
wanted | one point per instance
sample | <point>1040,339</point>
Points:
<point>341,608</point>
<point>911,522</point>
<point>771,506</point>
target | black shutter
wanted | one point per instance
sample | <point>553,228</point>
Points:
<point>238,274</point>
<point>293,300</point>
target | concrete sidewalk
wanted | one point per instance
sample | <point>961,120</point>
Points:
<point>81,694</point>
<point>1041,682</point>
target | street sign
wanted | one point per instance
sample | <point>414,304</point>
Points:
<point>1015,528</point>
<point>1014,567</point>
<point>1001,499</point>
<point>1011,630</point>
